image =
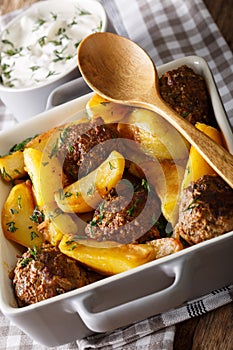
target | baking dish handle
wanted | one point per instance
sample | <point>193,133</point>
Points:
<point>67,92</point>
<point>134,310</point>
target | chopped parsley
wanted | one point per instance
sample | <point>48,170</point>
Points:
<point>42,41</point>
<point>71,244</point>
<point>99,28</point>
<point>19,198</point>
<point>4,173</point>
<point>13,211</point>
<point>40,22</point>
<point>7,42</point>
<point>63,195</point>
<point>84,13</point>
<point>54,150</point>
<point>195,203</point>
<point>131,210</point>
<point>90,190</point>
<point>14,51</point>
<point>33,256</point>
<point>37,216</point>
<point>145,185</point>
<point>54,16</point>
<point>11,226</point>
<point>111,166</point>
<point>50,73</point>
<point>33,235</point>
<point>55,213</point>
<point>20,146</point>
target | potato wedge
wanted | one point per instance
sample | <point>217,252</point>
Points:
<point>46,140</point>
<point>196,166</point>
<point>12,166</point>
<point>58,224</point>
<point>109,111</point>
<point>107,259</point>
<point>32,160</point>
<point>155,135</point>
<point>17,210</point>
<point>39,142</point>
<point>166,177</point>
<point>84,195</point>
<point>45,173</point>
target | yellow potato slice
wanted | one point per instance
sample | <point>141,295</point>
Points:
<point>166,177</point>
<point>109,111</point>
<point>59,223</point>
<point>46,139</point>
<point>45,173</point>
<point>107,258</point>
<point>39,142</point>
<point>85,194</point>
<point>196,166</point>
<point>155,135</point>
<point>17,210</point>
<point>110,258</point>
<point>12,166</point>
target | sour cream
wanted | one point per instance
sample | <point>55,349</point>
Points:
<point>42,44</point>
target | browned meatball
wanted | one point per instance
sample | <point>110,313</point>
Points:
<point>42,274</point>
<point>206,210</point>
<point>186,92</point>
<point>126,217</point>
<point>77,147</point>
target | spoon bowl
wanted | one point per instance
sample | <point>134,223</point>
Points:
<point>121,71</point>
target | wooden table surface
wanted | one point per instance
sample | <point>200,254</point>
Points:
<point>213,331</point>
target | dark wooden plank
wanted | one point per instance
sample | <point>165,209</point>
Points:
<point>222,13</point>
<point>212,331</point>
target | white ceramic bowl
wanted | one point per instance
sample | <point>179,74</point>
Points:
<point>28,100</point>
<point>127,297</point>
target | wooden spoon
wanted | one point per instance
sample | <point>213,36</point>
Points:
<point>119,70</point>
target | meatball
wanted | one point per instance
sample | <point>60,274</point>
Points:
<point>186,93</point>
<point>46,272</point>
<point>77,147</point>
<point>125,217</point>
<point>206,210</point>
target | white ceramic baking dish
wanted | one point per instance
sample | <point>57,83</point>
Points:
<point>130,296</point>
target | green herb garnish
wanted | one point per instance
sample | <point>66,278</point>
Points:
<point>40,22</point>
<point>37,216</point>
<point>5,175</point>
<point>54,150</point>
<point>11,226</point>
<point>54,16</point>
<point>33,235</point>
<point>195,203</point>
<point>111,166</point>
<point>145,185</point>
<point>33,256</point>
<point>42,41</point>
<point>20,146</point>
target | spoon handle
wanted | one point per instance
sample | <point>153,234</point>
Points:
<point>215,155</point>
